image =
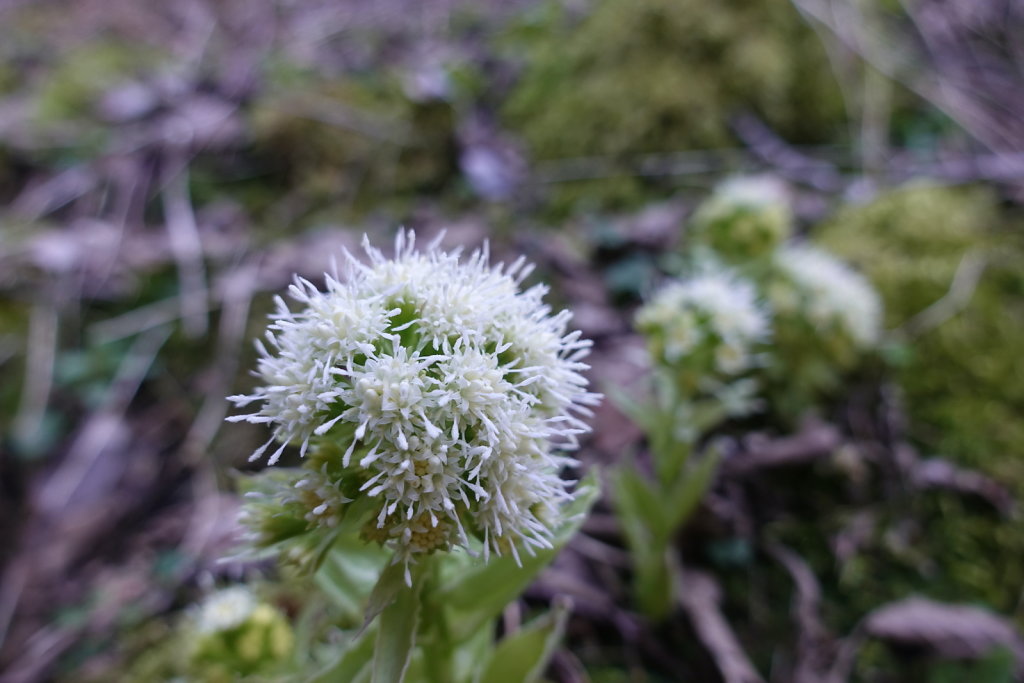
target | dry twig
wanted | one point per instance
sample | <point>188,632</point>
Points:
<point>699,595</point>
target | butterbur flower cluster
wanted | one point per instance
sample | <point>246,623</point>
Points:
<point>430,386</point>
<point>746,217</point>
<point>232,632</point>
<point>826,317</point>
<point>834,298</point>
<point>711,324</point>
<point>225,610</point>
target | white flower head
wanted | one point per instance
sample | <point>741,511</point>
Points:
<point>225,610</point>
<point>745,217</point>
<point>714,309</point>
<point>833,294</point>
<point>753,191</point>
<point>443,388</point>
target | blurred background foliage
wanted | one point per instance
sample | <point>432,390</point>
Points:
<point>166,167</point>
<point>947,262</point>
<point>694,66</point>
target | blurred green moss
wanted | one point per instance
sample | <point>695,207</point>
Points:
<point>657,76</point>
<point>170,649</point>
<point>355,141</point>
<point>80,76</point>
<point>8,78</point>
<point>964,376</point>
<point>963,379</point>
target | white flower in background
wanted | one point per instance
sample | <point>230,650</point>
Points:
<point>833,293</point>
<point>445,388</point>
<point>714,309</point>
<point>753,192</point>
<point>225,610</point>
<point>745,217</point>
<point>232,635</point>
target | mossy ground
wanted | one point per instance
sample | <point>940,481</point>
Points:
<point>961,374</point>
<point>346,144</point>
<point>661,76</point>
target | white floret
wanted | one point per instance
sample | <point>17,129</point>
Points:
<point>713,306</point>
<point>752,191</point>
<point>835,294</point>
<point>226,609</point>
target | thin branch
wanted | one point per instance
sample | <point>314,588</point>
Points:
<point>188,251</point>
<point>815,440</point>
<point>41,354</point>
<point>237,291</point>
<point>102,425</point>
<point>961,290</point>
<point>699,595</point>
<point>813,636</point>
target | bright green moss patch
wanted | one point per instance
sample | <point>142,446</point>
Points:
<point>962,374</point>
<point>656,76</point>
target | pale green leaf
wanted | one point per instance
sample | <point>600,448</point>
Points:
<point>652,582</point>
<point>689,490</point>
<point>642,511</point>
<point>387,588</point>
<point>354,517</point>
<point>636,410</point>
<point>478,593</point>
<point>396,631</point>
<point>521,657</point>
<point>466,658</point>
<point>352,664</point>
<point>348,574</point>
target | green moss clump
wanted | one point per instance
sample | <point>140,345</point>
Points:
<point>655,76</point>
<point>939,544</point>
<point>964,373</point>
<point>356,139</point>
<point>8,79</point>
<point>82,75</point>
<point>961,375</point>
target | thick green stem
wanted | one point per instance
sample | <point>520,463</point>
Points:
<point>439,648</point>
